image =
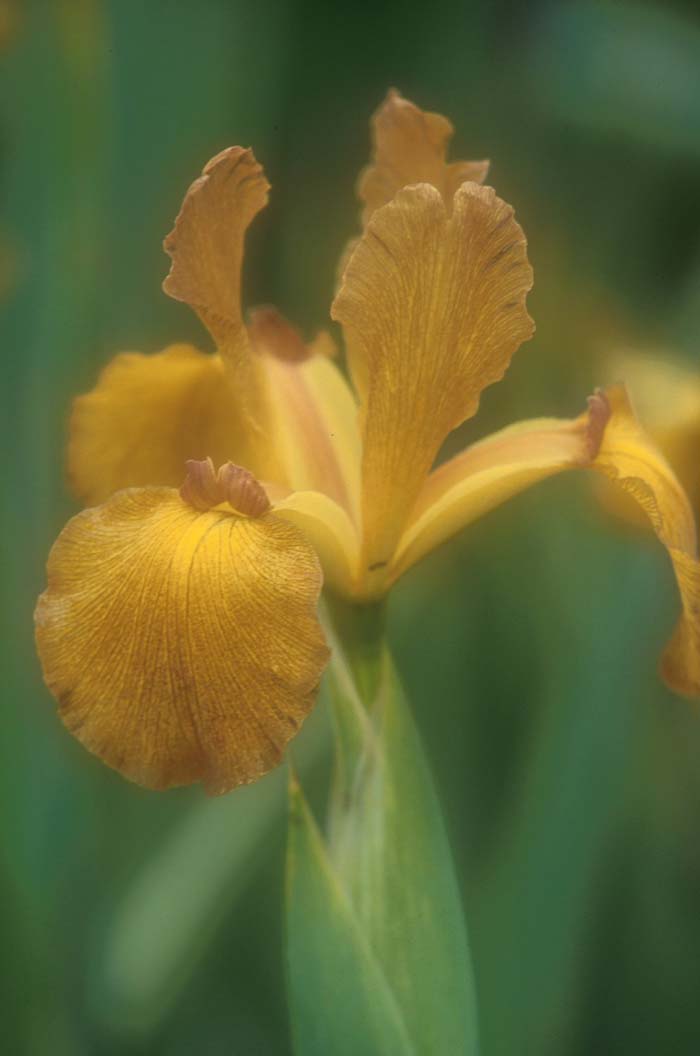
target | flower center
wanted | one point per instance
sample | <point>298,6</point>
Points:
<point>205,488</point>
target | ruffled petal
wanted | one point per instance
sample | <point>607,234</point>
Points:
<point>631,460</point>
<point>206,247</point>
<point>433,308</point>
<point>182,645</point>
<point>147,415</point>
<point>488,473</point>
<point>206,243</point>
<point>410,146</point>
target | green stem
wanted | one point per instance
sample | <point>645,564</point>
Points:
<point>361,630</point>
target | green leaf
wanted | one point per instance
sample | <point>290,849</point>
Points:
<point>340,1000</point>
<point>387,871</point>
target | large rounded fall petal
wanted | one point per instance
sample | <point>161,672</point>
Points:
<point>181,645</point>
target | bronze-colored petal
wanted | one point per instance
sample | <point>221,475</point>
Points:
<point>206,243</point>
<point>409,145</point>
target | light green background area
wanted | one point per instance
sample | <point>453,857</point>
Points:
<point>137,923</point>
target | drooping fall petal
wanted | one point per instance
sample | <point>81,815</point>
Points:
<point>147,415</point>
<point>631,460</point>
<point>181,644</point>
<point>433,308</point>
<point>409,145</point>
<point>488,473</point>
<point>666,397</point>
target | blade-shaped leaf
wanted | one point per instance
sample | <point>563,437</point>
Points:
<point>340,1001</point>
<point>389,857</point>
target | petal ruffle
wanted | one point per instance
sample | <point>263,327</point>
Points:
<point>631,460</point>
<point>182,645</point>
<point>206,248</point>
<point>410,146</point>
<point>206,243</point>
<point>488,473</point>
<point>147,415</point>
<point>433,308</point>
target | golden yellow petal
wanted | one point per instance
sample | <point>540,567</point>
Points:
<point>181,645</point>
<point>147,415</point>
<point>410,146</point>
<point>433,308</point>
<point>631,460</point>
<point>488,473</point>
<point>666,397</point>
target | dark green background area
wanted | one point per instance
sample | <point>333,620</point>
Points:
<point>570,777</point>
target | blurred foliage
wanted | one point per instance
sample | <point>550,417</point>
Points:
<point>568,774</point>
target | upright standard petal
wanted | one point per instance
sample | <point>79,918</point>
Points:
<point>206,243</point>
<point>493,470</point>
<point>409,146</point>
<point>631,460</point>
<point>206,248</point>
<point>433,308</point>
<point>147,415</point>
<point>182,644</point>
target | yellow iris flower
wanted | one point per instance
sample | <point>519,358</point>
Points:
<point>178,629</point>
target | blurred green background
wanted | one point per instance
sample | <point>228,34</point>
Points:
<point>144,923</point>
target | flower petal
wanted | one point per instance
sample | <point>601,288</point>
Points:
<point>433,308</point>
<point>329,529</point>
<point>631,460</point>
<point>147,415</point>
<point>409,146</point>
<point>313,411</point>
<point>206,243</point>
<point>206,247</point>
<point>666,396</point>
<point>182,645</point>
<point>488,473</point>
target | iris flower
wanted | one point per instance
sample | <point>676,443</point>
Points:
<point>179,629</point>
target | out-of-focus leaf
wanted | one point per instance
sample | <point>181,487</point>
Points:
<point>389,855</point>
<point>172,911</point>
<point>630,70</point>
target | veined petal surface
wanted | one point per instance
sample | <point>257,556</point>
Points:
<point>181,645</point>
<point>488,473</point>
<point>410,146</point>
<point>433,308</point>
<point>631,460</point>
<point>147,415</point>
